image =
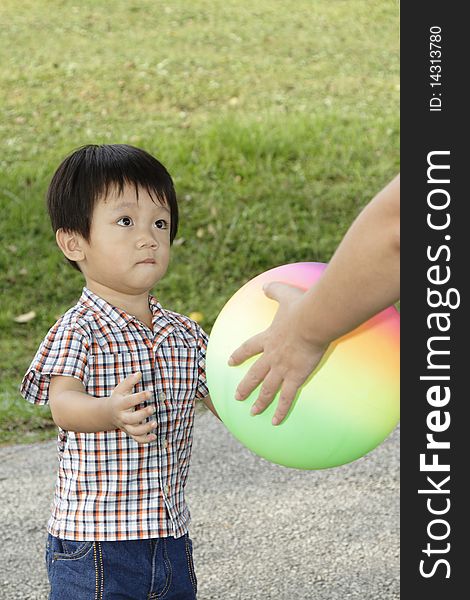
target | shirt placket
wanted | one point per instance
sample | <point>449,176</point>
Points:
<point>163,475</point>
<point>166,469</point>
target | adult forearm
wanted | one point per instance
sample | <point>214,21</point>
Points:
<point>77,411</point>
<point>363,276</point>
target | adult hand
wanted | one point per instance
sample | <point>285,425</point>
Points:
<point>122,403</point>
<point>288,356</point>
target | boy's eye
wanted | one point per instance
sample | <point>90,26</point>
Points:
<point>161,224</point>
<point>125,221</point>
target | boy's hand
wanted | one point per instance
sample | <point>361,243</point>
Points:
<point>122,403</point>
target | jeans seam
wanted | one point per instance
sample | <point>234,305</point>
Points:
<point>99,575</point>
<point>151,595</point>
<point>190,566</point>
<point>156,595</point>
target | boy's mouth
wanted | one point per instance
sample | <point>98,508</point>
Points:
<point>147,261</point>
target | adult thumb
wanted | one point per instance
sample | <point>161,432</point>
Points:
<point>281,292</point>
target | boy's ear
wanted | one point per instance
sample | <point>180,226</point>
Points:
<point>71,244</point>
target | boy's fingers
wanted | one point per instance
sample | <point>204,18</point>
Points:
<point>141,429</point>
<point>131,400</point>
<point>127,385</point>
<point>269,389</point>
<point>249,348</point>
<point>129,417</point>
<point>252,379</point>
<point>144,439</point>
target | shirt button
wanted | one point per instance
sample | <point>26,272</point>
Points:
<point>165,444</point>
<point>162,396</point>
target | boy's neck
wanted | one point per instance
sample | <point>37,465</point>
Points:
<point>133,304</point>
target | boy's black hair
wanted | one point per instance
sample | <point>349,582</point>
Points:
<point>90,171</point>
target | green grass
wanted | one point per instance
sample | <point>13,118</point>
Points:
<point>277,121</point>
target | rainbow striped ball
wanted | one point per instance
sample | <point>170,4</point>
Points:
<point>347,407</point>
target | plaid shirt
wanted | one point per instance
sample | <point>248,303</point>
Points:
<point>109,487</point>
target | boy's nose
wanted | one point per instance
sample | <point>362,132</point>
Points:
<point>147,241</point>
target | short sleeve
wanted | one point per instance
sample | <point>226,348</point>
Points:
<point>64,351</point>
<point>203,339</point>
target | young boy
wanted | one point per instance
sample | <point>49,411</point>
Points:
<point>121,375</point>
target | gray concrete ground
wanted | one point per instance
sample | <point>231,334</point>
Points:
<point>260,531</point>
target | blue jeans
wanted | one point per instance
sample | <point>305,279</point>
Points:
<point>127,570</point>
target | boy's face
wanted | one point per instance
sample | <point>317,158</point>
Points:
<point>129,246</point>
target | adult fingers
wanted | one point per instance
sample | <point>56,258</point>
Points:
<point>250,347</point>
<point>269,389</point>
<point>252,379</point>
<point>288,391</point>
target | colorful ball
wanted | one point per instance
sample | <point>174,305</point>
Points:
<point>347,407</point>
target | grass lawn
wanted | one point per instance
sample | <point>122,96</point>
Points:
<point>278,122</point>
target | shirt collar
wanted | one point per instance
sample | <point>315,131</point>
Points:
<point>120,317</point>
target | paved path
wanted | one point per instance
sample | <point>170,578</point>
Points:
<point>260,531</point>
